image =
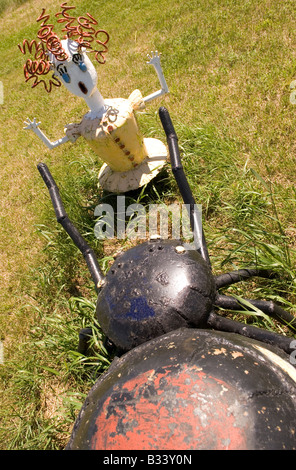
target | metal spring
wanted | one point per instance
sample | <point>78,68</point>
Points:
<point>103,44</point>
<point>84,32</point>
<point>39,48</point>
<point>40,66</point>
<point>66,18</point>
<point>34,68</point>
<point>52,41</point>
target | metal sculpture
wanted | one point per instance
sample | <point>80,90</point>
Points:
<point>185,377</point>
<point>110,127</point>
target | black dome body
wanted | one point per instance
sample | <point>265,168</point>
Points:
<point>153,288</point>
<point>192,389</point>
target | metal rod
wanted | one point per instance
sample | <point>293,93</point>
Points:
<point>186,193</point>
<point>270,308</point>
<point>225,324</point>
<point>69,227</point>
<point>226,279</point>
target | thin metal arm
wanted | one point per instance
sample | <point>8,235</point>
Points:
<point>155,61</point>
<point>225,324</point>
<point>34,125</point>
<point>47,142</point>
<point>72,231</point>
<point>224,280</point>
<point>177,169</point>
<point>270,308</point>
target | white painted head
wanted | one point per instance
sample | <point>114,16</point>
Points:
<point>77,73</point>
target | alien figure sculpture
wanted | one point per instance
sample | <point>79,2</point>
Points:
<point>110,127</point>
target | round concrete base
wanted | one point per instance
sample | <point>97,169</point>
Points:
<point>123,181</point>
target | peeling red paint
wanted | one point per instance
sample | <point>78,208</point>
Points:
<point>177,407</point>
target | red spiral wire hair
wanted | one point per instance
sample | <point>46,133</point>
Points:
<point>82,30</point>
<point>40,66</point>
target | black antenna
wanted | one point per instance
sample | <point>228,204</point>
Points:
<point>72,231</point>
<point>179,174</point>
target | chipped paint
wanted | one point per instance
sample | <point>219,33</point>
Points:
<point>146,416</point>
<point>186,399</point>
<point>216,352</point>
<point>236,354</point>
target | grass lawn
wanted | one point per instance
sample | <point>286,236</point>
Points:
<point>229,66</point>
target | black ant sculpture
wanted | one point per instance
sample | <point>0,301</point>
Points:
<point>157,305</point>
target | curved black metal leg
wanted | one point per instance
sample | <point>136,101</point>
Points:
<point>225,324</point>
<point>182,182</point>
<point>270,308</point>
<point>224,280</point>
<point>72,231</point>
<point>84,340</point>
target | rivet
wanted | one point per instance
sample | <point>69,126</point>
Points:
<point>180,249</point>
<point>101,283</point>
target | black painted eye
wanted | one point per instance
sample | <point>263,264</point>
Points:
<point>78,60</point>
<point>62,70</point>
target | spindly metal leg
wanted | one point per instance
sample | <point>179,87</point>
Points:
<point>268,307</point>
<point>269,337</point>
<point>182,182</point>
<point>224,280</point>
<point>72,231</point>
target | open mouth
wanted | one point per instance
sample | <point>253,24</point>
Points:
<point>83,87</point>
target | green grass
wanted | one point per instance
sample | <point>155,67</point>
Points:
<point>229,66</point>
<point>9,4</point>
